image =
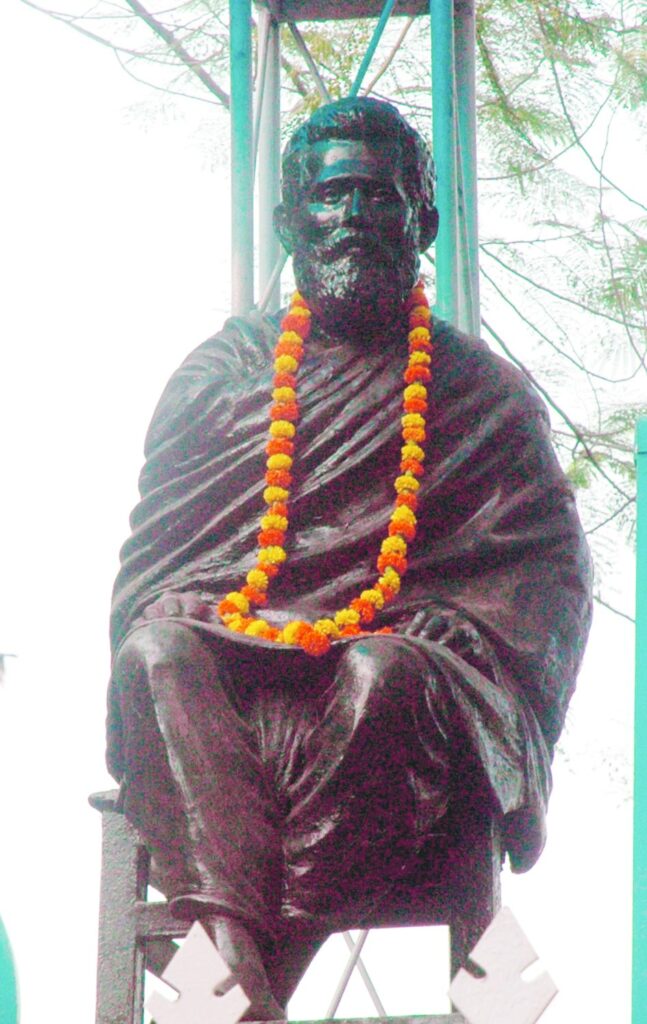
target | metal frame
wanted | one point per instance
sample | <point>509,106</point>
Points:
<point>454,146</point>
<point>639,972</point>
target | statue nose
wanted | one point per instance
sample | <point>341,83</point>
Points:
<point>355,207</point>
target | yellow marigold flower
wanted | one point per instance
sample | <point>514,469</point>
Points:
<point>374,597</point>
<point>257,628</point>
<point>346,617</point>
<point>239,600</point>
<point>418,334</point>
<point>285,364</point>
<point>284,395</point>
<point>279,462</point>
<point>412,419</point>
<point>256,577</point>
<point>272,494</point>
<point>291,336</point>
<point>233,620</point>
<point>272,522</point>
<point>391,579</point>
<point>419,359</point>
<point>290,632</point>
<point>298,300</point>
<point>412,451</point>
<point>273,554</point>
<point>327,628</point>
<point>422,311</point>
<point>393,545</point>
<point>406,483</point>
<point>282,428</point>
<point>403,514</point>
<point>415,391</point>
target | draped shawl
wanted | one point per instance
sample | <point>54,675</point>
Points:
<point>498,540</point>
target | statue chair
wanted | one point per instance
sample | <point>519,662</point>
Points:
<point>136,935</point>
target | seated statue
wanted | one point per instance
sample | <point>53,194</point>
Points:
<point>356,570</point>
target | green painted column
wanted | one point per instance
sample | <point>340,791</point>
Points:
<point>639,973</point>
<point>242,158</point>
<point>8,984</point>
<point>444,147</point>
<point>465,62</point>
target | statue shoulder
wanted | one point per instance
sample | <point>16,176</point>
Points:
<point>242,348</point>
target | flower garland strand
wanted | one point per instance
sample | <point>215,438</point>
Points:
<point>316,638</point>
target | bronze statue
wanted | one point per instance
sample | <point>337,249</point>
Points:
<point>281,793</point>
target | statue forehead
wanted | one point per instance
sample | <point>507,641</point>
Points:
<point>327,158</point>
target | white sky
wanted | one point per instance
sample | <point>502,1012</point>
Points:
<point>115,257</point>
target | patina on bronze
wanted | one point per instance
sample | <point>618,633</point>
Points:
<point>283,796</point>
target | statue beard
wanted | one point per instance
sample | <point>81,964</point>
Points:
<point>354,286</point>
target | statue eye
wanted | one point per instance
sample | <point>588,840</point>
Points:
<point>331,193</point>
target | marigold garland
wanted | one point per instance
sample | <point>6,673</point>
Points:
<point>391,562</point>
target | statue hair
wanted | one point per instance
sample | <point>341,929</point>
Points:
<point>366,120</point>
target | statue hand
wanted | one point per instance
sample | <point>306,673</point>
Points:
<point>186,605</point>
<point>449,628</point>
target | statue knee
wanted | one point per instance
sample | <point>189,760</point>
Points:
<point>161,647</point>
<point>387,665</point>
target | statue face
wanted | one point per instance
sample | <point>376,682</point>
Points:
<point>353,234</point>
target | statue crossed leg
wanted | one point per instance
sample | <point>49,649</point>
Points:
<point>277,804</point>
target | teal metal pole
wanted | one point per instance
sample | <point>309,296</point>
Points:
<point>8,985</point>
<point>372,46</point>
<point>269,162</point>
<point>242,158</point>
<point>639,971</point>
<point>465,57</point>
<point>444,146</point>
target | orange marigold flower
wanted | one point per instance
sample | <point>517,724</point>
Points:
<point>315,643</point>
<point>253,595</point>
<point>278,478</point>
<point>415,405</point>
<point>240,624</point>
<point>403,529</point>
<point>297,320</point>
<point>416,297</point>
<point>397,562</point>
<point>413,373</point>
<point>352,629</point>
<point>279,508</point>
<point>279,446</point>
<point>285,380</point>
<point>269,569</point>
<point>413,434</point>
<point>411,466</point>
<point>226,607</point>
<point>386,630</point>
<point>285,411</point>
<point>365,609</point>
<point>267,538</point>
<point>293,631</point>
<point>408,499</point>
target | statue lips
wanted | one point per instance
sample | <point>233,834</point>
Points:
<point>353,243</point>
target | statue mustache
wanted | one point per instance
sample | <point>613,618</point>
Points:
<point>344,242</point>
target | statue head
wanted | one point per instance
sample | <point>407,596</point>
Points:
<point>357,211</point>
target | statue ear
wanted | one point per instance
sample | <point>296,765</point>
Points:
<point>283,227</point>
<point>428,228</point>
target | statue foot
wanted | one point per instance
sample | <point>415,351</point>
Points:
<point>239,949</point>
